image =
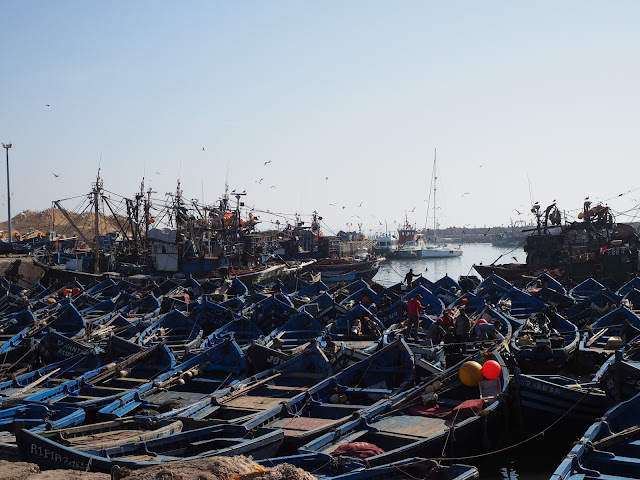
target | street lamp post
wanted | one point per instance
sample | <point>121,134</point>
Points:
<point>7,146</point>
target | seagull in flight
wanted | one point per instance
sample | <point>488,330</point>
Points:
<point>56,175</point>
<point>357,216</point>
<point>517,211</point>
<point>326,178</point>
<point>333,204</point>
<point>47,105</point>
<point>360,205</point>
<point>466,193</point>
<point>203,149</point>
<point>273,186</point>
<point>412,210</point>
<point>481,165</point>
<point>268,161</point>
<point>259,181</point>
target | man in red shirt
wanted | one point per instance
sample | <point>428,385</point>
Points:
<point>445,320</point>
<point>413,312</point>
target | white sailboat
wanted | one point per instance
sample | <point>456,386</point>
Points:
<point>434,250</point>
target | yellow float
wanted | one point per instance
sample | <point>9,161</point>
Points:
<point>471,373</point>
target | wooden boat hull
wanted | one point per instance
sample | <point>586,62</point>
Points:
<point>218,440</point>
<point>550,397</point>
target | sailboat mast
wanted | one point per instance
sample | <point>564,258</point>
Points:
<point>435,222</point>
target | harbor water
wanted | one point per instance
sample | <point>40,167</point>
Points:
<point>393,271</point>
<point>534,459</point>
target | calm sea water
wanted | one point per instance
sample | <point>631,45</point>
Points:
<point>535,460</point>
<point>393,271</point>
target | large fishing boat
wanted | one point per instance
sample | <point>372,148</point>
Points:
<point>594,245</point>
<point>178,238</point>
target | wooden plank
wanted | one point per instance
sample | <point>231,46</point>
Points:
<point>296,425</point>
<point>254,402</point>
<point>412,426</point>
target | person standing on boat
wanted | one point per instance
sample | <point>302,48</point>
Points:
<point>413,315</point>
<point>408,278</point>
<point>461,325</point>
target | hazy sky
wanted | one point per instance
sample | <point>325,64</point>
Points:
<point>524,101</point>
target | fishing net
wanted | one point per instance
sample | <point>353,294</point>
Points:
<point>213,468</point>
<point>357,450</point>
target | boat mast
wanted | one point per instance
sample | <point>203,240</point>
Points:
<point>435,222</point>
<point>97,187</point>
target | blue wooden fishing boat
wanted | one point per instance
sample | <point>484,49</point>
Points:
<point>300,289</point>
<point>144,306</point>
<point>198,377</point>
<point>102,435</point>
<point>242,330</point>
<point>634,283</point>
<point>63,318</point>
<point>219,291</point>
<point>631,300</point>
<point>588,310</point>
<point>254,395</point>
<point>417,423</point>
<point>174,329</point>
<point>520,305</point>
<point>546,398</point>
<point>544,343</point>
<point>217,440</point>
<point>295,334</point>
<point>619,376</point>
<point>105,290</point>
<point>492,288</point>
<point>357,328</point>
<point>366,296</point>
<point>332,402</point>
<point>36,417</point>
<point>586,289</point>
<point>97,387</point>
<point>14,390</point>
<point>607,334</point>
<point>211,316</point>
<point>271,312</point>
<point>472,304</point>
<point>609,449</point>
<point>550,291</point>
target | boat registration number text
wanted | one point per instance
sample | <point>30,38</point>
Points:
<point>56,457</point>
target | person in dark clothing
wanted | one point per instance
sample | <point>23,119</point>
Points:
<point>461,327</point>
<point>408,278</point>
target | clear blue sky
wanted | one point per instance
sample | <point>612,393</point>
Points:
<point>524,101</point>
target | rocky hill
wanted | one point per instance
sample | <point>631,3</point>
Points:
<point>39,224</point>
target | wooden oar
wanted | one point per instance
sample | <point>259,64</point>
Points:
<point>593,339</point>
<point>35,383</point>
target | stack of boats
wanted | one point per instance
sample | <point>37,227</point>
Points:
<point>323,377</point>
